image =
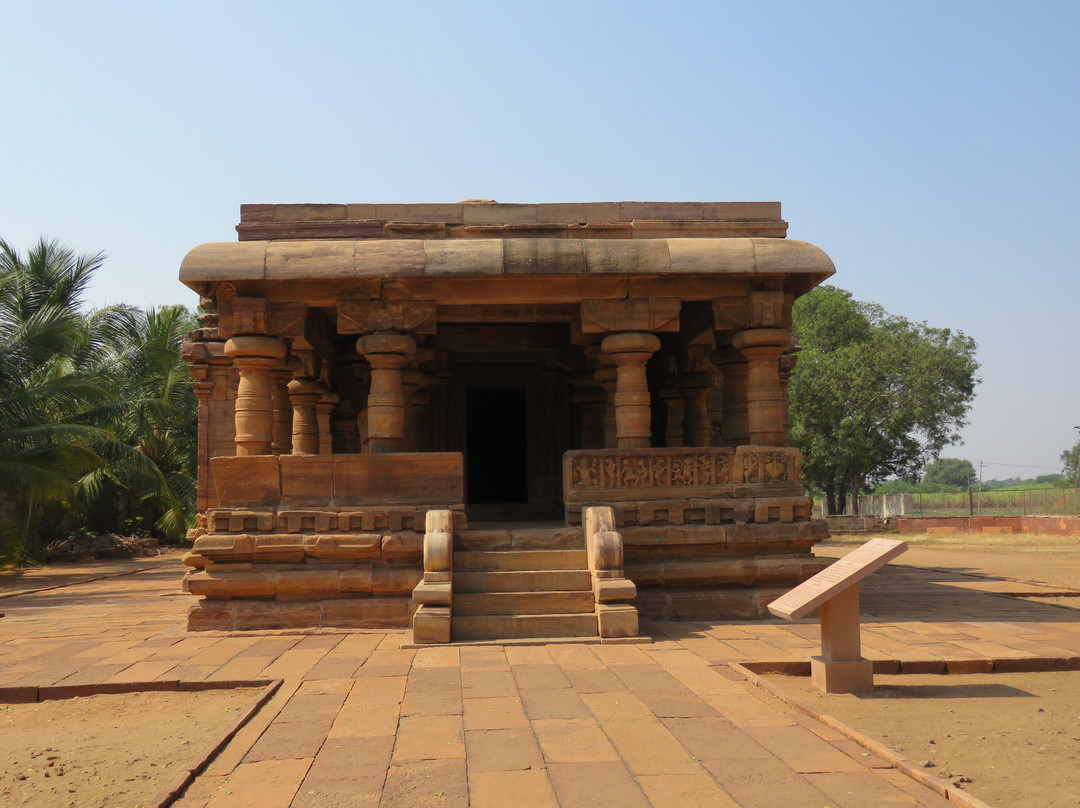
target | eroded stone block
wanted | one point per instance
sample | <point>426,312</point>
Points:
<point>343,546</point>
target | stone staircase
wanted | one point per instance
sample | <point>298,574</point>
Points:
<point>523,590</point>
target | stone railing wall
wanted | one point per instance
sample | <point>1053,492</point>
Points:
<point>687,486</point>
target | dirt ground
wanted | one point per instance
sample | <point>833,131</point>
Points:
<point>114,751</point>
<point>1011,739</point>
<point>1014,738</point>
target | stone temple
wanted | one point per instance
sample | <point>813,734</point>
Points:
<point>488,421</point>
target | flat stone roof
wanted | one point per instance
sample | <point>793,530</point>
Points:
<point>487,219</point>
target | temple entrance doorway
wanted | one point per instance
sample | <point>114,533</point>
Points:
<point>496,446</point>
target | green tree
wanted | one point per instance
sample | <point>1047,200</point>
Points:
<point>950,471</point>
<point>156,416</point>
<point>1069,460</point>
<point>95,409</point>
<point>48,392</point>
<point>873,395</point>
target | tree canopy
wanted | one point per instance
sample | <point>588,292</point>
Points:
<point>951,472</point>
<point>97,419</point>
<point>873,395</point>
<point>1069,460</point>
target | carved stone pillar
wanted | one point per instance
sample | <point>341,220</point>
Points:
<point>305,394</point>
<point>414,386</point>
<point>695,387</point>
<point>764,397</point>
<point>631,351</point>
<point>386,352</point>
<point>324,408</point>
<point>675,411</point>
<point>255,357</point>
<point>607,376</point>
<point>279,394</point>
<point>591,403</point>
<point>734,426</point>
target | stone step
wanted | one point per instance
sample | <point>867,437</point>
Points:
<point>554,537</point>
<point>495,560</point>
<point>531,603</point>
<point>523,581</point>
<point>516,626</point>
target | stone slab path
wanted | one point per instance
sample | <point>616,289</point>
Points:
<point>361,721</point>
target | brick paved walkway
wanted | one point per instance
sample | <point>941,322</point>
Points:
<point>361,721</point>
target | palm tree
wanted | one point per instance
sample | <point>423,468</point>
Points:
<point>47,436</point>
<point>98,422</point>
<point>155,421</point>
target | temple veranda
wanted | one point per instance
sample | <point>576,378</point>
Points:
<point>496,420</point>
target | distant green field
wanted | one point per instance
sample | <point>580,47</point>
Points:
<point>1001,502</point>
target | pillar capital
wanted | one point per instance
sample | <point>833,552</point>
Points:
<point>256,347</point>
<point>752,338</point>
<point>386,342</point>
<point>630,343</point>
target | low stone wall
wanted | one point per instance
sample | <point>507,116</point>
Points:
<point>855,523</point>
<point>1039,525</point>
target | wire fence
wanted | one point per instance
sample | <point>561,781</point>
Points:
<point>1001,502</point>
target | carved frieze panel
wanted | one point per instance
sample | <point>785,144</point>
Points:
<point>767,464</point>
<point>649,468</point>
<point>647,474</point>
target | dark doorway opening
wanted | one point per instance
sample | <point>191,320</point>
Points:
<point>496,428</point>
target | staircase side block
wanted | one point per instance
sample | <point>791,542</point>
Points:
<point>612,590</point>
<point>433,596</point>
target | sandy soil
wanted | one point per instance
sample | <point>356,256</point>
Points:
<point>119,751</point>
<point>1051,560</point>
<point>1011,739</point>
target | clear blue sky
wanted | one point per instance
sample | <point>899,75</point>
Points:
<point>929,147</point>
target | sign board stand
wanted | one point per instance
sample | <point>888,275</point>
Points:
<point>841,667</point>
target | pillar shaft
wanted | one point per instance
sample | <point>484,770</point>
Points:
<point>591,404</point>
<point>734,429</point>
<point>762,348</point>
<point>305,395</point>
<point>695,387</point>
<point>279,395</point>
<point>255,357</point>
<point>675,410</point>
<point>386,353</point>
<point>607,376</point>
<point>324,409</point>
<point>631,352</point>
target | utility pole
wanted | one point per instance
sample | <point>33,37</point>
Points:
<point>1077,485</point>
<point>980,487</point>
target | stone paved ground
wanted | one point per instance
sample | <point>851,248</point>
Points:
<point>362,721</point>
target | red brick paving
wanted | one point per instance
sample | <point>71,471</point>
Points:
<point>361,721</point>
